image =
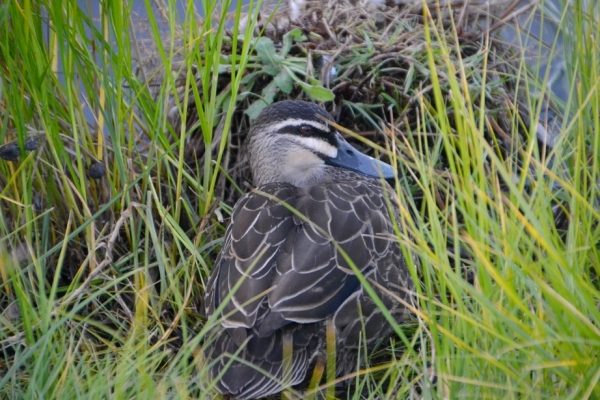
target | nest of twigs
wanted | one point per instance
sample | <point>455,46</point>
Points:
<point>368,64</point>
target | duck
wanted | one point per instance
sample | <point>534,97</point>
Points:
<point>283,276</point>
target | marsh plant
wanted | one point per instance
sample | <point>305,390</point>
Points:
<point>121,156</point>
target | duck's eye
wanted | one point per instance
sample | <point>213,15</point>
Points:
<point>306,129</point>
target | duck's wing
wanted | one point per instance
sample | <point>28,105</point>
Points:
<point>256,370</point>
<point>346,223</point>
<point>245,269</point>
<point>281,266</point>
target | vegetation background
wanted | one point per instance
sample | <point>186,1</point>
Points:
<point>108,231</point>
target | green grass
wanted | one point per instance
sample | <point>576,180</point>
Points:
<point>101,279</point>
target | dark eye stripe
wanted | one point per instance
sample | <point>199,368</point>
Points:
<point>328,137</point>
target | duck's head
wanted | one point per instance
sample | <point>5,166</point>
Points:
<point>290,142</point>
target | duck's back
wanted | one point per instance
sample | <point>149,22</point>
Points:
<point>284,270</point>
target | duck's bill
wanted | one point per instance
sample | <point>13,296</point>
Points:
<point>350,158</point>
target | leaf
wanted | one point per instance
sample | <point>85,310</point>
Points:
<point>410,75</point>
<point>318,93</point>
<point>255,108</point>
<point>269,92</point>
<point>284,81</point>
<point>250,77</point>
<point>268,95</point>
<point>3,13</point>
<point>265,49</point>
<point>369,44</point>
<point>270,69</point>
<point>391,100</point>
<point>295,35</point>
<point>313,81</point>
<point>224,68</point>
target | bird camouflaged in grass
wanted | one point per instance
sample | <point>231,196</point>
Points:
<point>282,258</point>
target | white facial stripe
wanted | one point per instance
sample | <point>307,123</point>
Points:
<point>297,123</point>
<point>316,145</point>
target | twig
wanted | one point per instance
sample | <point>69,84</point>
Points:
<point>107,258</point>
<point>510,16</point>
